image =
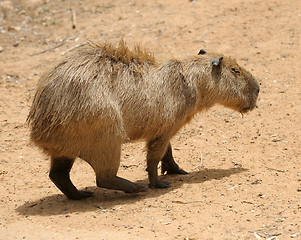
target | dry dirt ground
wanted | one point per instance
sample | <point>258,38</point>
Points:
<point>249,186</point>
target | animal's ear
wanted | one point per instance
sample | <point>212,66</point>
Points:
<point>217,61</point>
<point>202,52</point>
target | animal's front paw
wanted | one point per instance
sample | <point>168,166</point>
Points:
<point>172,169</point>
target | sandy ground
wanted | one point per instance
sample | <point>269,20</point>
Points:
<point>249,186</point>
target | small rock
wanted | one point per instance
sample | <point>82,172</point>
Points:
<point>16,44</point>
<point>1,49</point>
<point>295,235</point>
<point>10,28</point>
<point>257,181</point>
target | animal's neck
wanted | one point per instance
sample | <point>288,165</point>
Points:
<point>198,76</point>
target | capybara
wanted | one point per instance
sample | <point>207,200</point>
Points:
<point>102,96</point>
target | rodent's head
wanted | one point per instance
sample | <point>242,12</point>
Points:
<point>236,87</point>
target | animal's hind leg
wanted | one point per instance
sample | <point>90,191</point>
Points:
<point>105,160</point>
<point>60,176</point>
<point>169,165</point>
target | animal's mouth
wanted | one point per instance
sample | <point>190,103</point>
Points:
<point>247,109</point>
<point>244,110</point>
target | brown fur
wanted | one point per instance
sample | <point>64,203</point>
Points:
<point>102,96</point>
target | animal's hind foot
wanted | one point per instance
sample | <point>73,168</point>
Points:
<point>59,175</point>
<point>66,186</point>
<point>122,184</point>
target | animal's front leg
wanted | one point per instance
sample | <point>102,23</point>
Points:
<point>169,165</point>
<point>156,150</point>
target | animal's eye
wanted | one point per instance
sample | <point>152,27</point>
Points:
<point>235,70</point>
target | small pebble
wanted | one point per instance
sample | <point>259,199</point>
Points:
<point>295,235</point>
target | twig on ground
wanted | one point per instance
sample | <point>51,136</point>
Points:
<point>199,166</point>
<point>61,43</point>
<point>73,18</point>
<point>203,35</point>
<point>274,169</point>
<point>236,163</point>
<point>190,202</point>
<point>248,202</point>
<point>256,235</point>
<point>270,229</point>
<point>76,46</point>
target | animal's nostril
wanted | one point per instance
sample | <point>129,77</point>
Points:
<point>258,90</point>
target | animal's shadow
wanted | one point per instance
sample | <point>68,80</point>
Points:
<point>106,199</point>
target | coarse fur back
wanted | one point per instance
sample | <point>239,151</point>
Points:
<point>79,88</point>
<point>122,53</point>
